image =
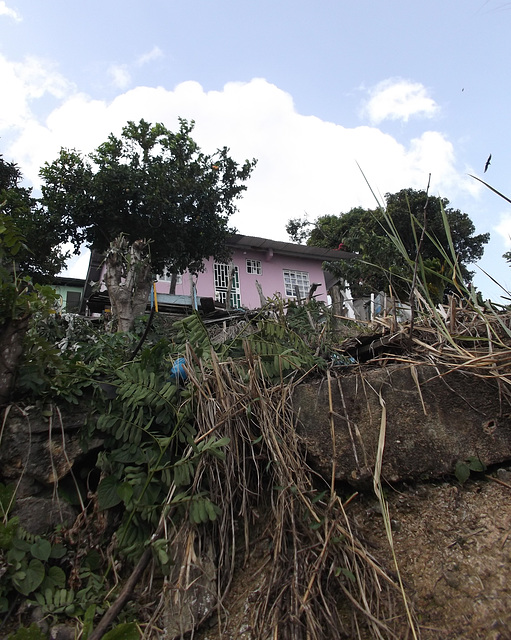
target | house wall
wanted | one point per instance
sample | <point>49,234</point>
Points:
<point>271,279</point>
<point>64,303</point>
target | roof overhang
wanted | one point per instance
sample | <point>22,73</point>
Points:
<point>264,245</point>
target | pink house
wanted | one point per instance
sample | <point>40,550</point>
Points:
<point>258,266</point>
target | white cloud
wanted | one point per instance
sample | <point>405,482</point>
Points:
<point>149,56</point>
<point>398,99</point>
<point>504,229</point>
<point>304,164</point>
<point>120,76</point>
<point>25,82</point>
<point>10,13</point>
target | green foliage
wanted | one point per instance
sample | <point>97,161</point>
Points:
<point>298,229</point>
<point>29,560</point>
<point>49,373</point>
<point>32,566</point>
<point>275,337</point>
<point>65,356</point>
<point>464,468</point>
<point>91,589</point>
<point>56,601</point>
<point>19,297</point>
<point>282,351</point>
<point>26,229</point>
<point>149,448</point>
<point>28,633</point>
<point>148,183</point>
<point>123,631</point>
<point>191,330</point>
<point>386,240</point>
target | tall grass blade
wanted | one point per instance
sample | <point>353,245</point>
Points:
<point>491,188</point>
<point>378,489</point>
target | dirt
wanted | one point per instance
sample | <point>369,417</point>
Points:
<point>453,547</point>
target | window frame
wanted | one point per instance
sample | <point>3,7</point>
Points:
<point>220,282</point>
<point>303,282</point>
<point>255,268</point>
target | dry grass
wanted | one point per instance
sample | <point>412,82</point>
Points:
<point>320,580</point>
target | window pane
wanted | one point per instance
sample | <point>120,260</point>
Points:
<point>73,301</point>
<point>221,275</point>
<point>294,280</point>
<point>254,266</point>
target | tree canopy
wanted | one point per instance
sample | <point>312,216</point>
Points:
<point>381,266</point>
<point>152,184</point>
<point>40,255</point>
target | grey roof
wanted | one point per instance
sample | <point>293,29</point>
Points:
<point>287,248</point>
<point>65,281</point>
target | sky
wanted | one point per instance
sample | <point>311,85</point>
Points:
<point>327,96</point>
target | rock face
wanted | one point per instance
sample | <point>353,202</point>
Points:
<point>192,593</point>
<point>37,454</point>
<point>432,417</point>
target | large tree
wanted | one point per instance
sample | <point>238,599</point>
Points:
<point>40,256</point>
<point>157,190</point>
<point>25,256</point>
<point>381,266</point>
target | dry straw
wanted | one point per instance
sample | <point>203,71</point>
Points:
<point>318,579</point>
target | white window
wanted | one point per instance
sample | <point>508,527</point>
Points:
<point>163,277</point>
<point>222,281</point>
<point>296,281</point>
<point>254,266</point>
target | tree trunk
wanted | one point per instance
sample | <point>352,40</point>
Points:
<point>11,347</point>
<point>337,305</point>
<point>173,282</point>
<point>128,280</point>
<point>232,269</point>
<point>262,298</point>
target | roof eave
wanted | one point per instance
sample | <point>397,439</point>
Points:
<point>263,245</point>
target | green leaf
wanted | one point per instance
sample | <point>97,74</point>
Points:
<point>8,533</point>
<point>15,555</point>
<point>124,631</point>
<point>125,492</point>
<point>345,572</point>
<point>57,576</point>
<point>21,545</point>
<point>318,497</point>
<point>41,549</point>
<point>28,581</point>
<point>474,464</point>
<point>58,550</point>
<point>108,496</point>
<point>93,560</point>
<point>88,621</point>
<point>462,472</point>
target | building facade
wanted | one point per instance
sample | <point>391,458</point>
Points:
<point>259,268</point>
